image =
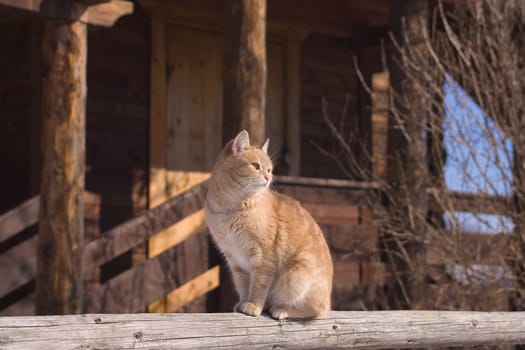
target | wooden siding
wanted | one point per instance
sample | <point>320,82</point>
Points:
<point>19,111</point>
<point>117,123</point>
<point>326,72</point>
<point>117,135</point>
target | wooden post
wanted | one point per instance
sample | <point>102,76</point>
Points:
<point>407,168</point>
<point>61,228</point>
<point>245,69</point>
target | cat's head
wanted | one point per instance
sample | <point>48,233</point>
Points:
<point>244,168</point>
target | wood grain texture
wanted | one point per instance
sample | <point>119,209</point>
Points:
<point>18,265</point>
<point>338,330</point>
<point>61,221</point>
<point>188,292</point>
<point>134,289</point>
<point>245,69</point>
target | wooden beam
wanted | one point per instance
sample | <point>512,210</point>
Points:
<point>18,266</point>
<point>134,289</point>
<point>364,21</point>
<point>158,78</point>
<point>245,69</point>
<point>99,12</point>
<point>337,330</point>
<point>127,235</point>
<point>321,182</point>
<point>105,14</point>
<point>188,292</point>
<point>61,222</point>
<point>19,218</point>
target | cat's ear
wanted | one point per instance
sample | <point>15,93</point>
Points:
<point>265,146</point>
<point>241,142</point>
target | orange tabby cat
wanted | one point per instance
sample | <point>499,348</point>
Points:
<point>277,254</point>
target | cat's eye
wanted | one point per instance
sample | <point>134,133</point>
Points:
<point>256,165</point>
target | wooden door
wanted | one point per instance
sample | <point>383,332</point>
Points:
<point>186,131</point>
<point>190,141</point>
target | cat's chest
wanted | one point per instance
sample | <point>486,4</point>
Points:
<point>236,248</point>
<point>236,235</point>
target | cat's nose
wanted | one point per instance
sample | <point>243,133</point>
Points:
<point>268,177</point>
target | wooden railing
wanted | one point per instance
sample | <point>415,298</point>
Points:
<point>340,206</point>
<point>134,289</point>
<point>17,251</point>
<point>130,291</point>
<point>337,330</point>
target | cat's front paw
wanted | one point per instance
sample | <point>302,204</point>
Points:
<point>278,313</point>
<point>248,308</point>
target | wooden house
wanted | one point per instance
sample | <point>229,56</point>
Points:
<point>145,91</point>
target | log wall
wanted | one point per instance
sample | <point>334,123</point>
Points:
<point>20,70</point>
<point>117,134</point>
<point>326,72</point>
<point>19,111</point>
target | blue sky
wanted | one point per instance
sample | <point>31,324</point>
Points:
<point>479,157</point>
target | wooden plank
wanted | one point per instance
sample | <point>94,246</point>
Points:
<point>333,213</point>
<point>157,110</point>
<point>127,235</point>
<point>188,292</point>
<point>323,182</point>
<point>61,222</point>
<point>177,233</point>
<point>19,218</point>
<point>107,13</point>
<point>102,13</point>
<point>134,289</point>
<point>191,130</point>
<point>337,330</point>
<point>22,307</point>
<point>197,245</point>
<point>18,265</point>
<point>326,195</point>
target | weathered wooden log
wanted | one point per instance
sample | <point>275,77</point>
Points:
<point>61,222</point>
<point>245,69</point>
<point>338,330</point>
